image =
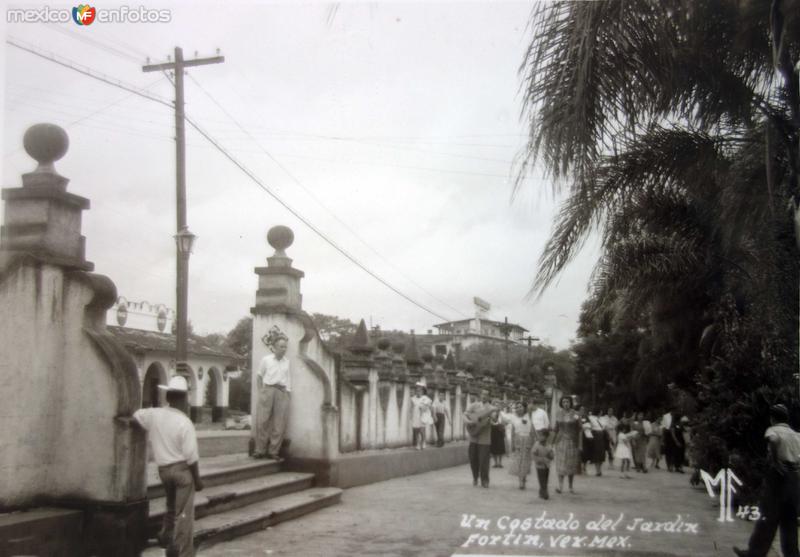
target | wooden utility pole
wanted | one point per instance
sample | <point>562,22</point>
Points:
<point>183,238</point>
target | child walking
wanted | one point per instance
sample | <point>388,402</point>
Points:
<point>543,455</point>
<point>623,450</point>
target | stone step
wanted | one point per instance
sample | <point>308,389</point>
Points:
<point>215,442</point>
<point>218,470</point>
<point>229,496</point>
<point>251,518</point>
<point>41,531</point>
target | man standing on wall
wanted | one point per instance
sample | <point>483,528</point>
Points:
<point>479,428</point>
<point>273,382</point>
<point>781,489</point>
<point>174,444</point>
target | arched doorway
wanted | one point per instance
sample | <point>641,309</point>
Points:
<point>214,394</point>
<point>194,400</point>
<point>153,377</point>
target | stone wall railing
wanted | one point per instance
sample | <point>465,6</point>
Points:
<point>359,400</point>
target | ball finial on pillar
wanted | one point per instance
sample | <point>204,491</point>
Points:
<point>280,238</point>
<point>46,143</point>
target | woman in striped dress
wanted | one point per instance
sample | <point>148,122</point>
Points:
<point>521,443</point>
<point>567,443</point>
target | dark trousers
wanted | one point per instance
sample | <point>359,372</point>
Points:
<point>778,507</point>
<point>544,477</point>
<point>479,462</point>
<point>440,422</point>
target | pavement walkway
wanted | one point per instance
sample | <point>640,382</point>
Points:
<point>652,515</point>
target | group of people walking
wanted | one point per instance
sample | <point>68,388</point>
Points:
<point>428,412</point>
<point>577,439</point>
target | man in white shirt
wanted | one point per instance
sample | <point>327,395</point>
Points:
<point>174,444</point>
<point>781,492</point>
<point>274,384</point>
<point>539,418</point>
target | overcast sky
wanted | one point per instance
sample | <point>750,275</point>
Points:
<point>397,123</point>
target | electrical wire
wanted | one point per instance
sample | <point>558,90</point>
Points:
<point>133,89</point>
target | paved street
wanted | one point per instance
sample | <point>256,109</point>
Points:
<point>422,515</point>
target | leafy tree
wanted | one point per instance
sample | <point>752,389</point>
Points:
<point>672,135</point>
<point>530,364</point>
<point>240,341</point>
<point>337,332</point>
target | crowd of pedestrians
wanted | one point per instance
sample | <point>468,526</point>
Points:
<point>580,441</point>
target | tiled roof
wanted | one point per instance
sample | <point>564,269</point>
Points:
<point>138,340</point>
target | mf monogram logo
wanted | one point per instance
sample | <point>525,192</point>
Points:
<point>727,482</point>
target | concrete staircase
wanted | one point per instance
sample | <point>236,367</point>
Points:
<point>241,496</point>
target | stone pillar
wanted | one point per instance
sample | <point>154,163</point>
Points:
<point>313,425</point>
<point>400,372</point>
<point>387,394</point>
<point>69,388</point>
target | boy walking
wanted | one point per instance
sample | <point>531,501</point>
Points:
<point>542,456</point>
<point>174,443</point>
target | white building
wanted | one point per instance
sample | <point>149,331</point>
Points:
<point>144,330</point>
<point>458,335</point>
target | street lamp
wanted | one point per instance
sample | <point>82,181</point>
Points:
<point>184,240</point>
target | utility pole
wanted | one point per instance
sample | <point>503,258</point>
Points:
<point>183,238</point>
<point>529,339</point>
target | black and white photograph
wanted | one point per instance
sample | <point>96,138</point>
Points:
<point>400,278</point>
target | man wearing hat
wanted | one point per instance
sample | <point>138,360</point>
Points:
<point>174,444</point>
<point>781,489</point>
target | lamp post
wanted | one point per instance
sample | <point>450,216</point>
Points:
<point>184,240</point>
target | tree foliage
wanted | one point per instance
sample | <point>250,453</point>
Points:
<point>523,362</point>
<point>674,138</point>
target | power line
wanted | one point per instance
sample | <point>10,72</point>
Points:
<point>314,197</point>
<point>302,219</point>
<point>117,83</point>
<point>88,72</point>
<point>94,42</point>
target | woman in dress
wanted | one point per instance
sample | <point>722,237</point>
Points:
<point>497,446</point>
<point>654,442</point>
<point>598,444</point>
<point>521,442</point>
<point>421,416</point>
<point>639,443</point>
<point>567,443</point>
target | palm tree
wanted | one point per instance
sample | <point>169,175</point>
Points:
<point>671,134</point>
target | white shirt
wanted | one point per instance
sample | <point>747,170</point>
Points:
<point>273,371</point>
<point>539,419</point>
<point>171,433</point>
<point>522,424</point>
<point>666,420</point>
